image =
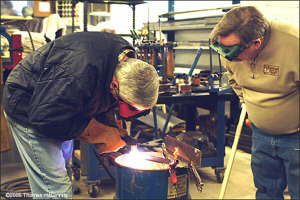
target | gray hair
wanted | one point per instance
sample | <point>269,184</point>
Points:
<point>138,82</point>
<point>247,22</point>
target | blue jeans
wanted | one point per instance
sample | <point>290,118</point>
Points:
<point>44,162</point>
<point>275,164</point>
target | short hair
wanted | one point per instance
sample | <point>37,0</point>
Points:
<point>138,82</point>
<point>247,22</point>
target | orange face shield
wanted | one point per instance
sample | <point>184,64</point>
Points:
<point>127,112</point>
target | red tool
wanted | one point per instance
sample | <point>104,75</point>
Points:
<point>248,123</point>
<point>16,51</point>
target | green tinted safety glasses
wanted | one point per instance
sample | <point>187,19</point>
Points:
<point>228,52</point>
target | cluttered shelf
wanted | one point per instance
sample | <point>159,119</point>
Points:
<point>5,18</point>
<point>129,2</point>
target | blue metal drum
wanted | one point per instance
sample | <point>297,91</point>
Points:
<point>150,182</point>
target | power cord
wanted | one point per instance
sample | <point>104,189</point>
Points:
<point>31,40</point>
<point>16,188</point>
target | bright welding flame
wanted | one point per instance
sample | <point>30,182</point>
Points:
<point>136,154</point>
<point>137,159</point>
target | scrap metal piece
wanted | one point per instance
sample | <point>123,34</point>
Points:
<point>184,152</point>
<point>164,150</point>
<point>158,159</point>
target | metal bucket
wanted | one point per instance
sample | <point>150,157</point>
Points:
<point>142,179</point>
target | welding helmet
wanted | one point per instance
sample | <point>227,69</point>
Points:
<point>127,111</point>
<point>228,52</point>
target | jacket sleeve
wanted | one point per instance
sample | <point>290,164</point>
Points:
<point>58,103</point>
<point>231,81</point>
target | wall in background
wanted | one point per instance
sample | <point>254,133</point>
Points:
<point>121,15</point>
<point>287,11</point>
<point>198,5</point>
<point>150,11</point>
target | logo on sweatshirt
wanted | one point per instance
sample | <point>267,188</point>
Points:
<point>271,70</point>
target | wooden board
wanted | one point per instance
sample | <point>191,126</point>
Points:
<point>4,132</point>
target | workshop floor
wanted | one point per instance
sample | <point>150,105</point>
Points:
<point>240,185</point>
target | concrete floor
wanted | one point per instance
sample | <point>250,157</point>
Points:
<point>240,185</point>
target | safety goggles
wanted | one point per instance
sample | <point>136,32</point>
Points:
<point>228,52</point>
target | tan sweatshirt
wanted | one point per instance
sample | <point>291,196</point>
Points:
<point>270,87</point>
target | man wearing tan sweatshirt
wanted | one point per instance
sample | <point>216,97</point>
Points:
<point>262,61</point>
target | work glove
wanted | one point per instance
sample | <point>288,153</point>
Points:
<point>106,138</point>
